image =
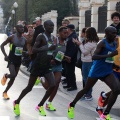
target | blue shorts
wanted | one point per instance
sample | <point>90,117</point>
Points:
<point>57,68</point>
<point>117,74</point>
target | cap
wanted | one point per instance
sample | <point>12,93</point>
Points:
<point>71,26</point>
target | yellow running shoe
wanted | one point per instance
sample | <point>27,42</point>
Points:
<point>37,81</point>
<point>50,107</point>
<point>16,108</point>
<point>41,110</point>
<point>70,112</point>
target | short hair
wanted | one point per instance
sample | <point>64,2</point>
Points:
<point>117,14</point>
<point>84,29</point>
<point>30,26</point>
<point>66,20</point>
<point>34,22</point>
<point>62,28</point>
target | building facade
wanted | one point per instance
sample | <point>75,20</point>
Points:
<point>97,13</point>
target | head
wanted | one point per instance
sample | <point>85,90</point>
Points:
<point>91,34</point>
<point>49,26</point>
<point>38,21</point>
<point>111,33</point>
<point>65,22</point>
<point>83,33</point>
<point>63,32</point>
<point>20,28</point>
<point>34,24</point>
<point>115,17</point>
<point>30,29</point>
<point>70,28</point>
<point>24,23</point>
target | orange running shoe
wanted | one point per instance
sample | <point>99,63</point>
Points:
<point>5,96</point>
<point>4,79</point>
<point>101,100</point>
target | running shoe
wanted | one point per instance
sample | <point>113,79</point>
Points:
<point>88,98</point>
<point>99,111</point>
<point>105,117</point>
<point>16,108</point>
<point>50,107</point>
<point>37,81</point>
<point>70,112</point>
<point>5,96</point>
<point>101,100</point>
<point>4,79</point>
<point>41,110</point>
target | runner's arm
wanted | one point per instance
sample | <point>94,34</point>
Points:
<point>8,40</point>
<point>99,48</point>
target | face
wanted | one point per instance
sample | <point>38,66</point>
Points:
<point>63,34</point>
<point>65,23</point>
<point>111,35</point>
<point>49,27</point>
<point>20,29</point>
<point>34,25</point>
<point>82,35</point>
<point>38,22</point>
<point>116,20</point>
<point>30,30</point>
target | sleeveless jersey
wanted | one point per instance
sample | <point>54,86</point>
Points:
<point>16,49</point>
<point>102,68</point>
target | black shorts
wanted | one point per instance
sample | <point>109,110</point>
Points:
<point>17,65</point>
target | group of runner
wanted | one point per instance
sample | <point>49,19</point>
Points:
<point>47,63</point>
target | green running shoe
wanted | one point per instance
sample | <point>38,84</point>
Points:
<point>50,107</point>
<point>41,110</point>
<point>37,81</point>
<point>16,109</point>
<point>70,112</point>
<point>105,117</point>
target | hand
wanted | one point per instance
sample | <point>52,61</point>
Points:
<point>116,67</point>
<point>76,41</point>
<point>52,47</point>
<point>6,58</point>
<point>68,59</point>
<point>113,54</point>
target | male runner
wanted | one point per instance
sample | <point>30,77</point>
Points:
<point>17,43</point>
<point>40,67</point>
<point>102,69</point>
<point>103,99</point>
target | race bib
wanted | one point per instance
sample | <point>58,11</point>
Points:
<point>109,59</point>
<point>49,52</point>
<point>59,57</point>
<point>18,51</point>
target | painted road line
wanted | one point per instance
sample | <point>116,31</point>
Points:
<point>53,118</point>
<point>99,119</point>
<point>38,87</point>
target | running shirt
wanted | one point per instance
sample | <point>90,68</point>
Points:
<point>117,57</point>
<point>41,64</point>
<point>103,67</point>
<point>16,49</point>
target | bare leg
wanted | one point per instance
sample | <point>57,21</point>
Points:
<point>13,73</point>
<point>51,81</point>
<point>114,85</point>
<point>89,84</point>
<point>29,87</point>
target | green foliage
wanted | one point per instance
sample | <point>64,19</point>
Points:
<point>39,7</point>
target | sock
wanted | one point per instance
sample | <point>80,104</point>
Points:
<point>48,102</point>
<point>72,104</point>
<point>104,95</point>
<point>98,107</point>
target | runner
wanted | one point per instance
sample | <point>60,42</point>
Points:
<point>101,69</point>
<point>57,66</point>
<point>40,67</point>
<point>103,99</point>
<point>17,42</point>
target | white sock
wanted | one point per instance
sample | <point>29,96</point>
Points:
<point>98,107</point>
<point>104,95</point>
